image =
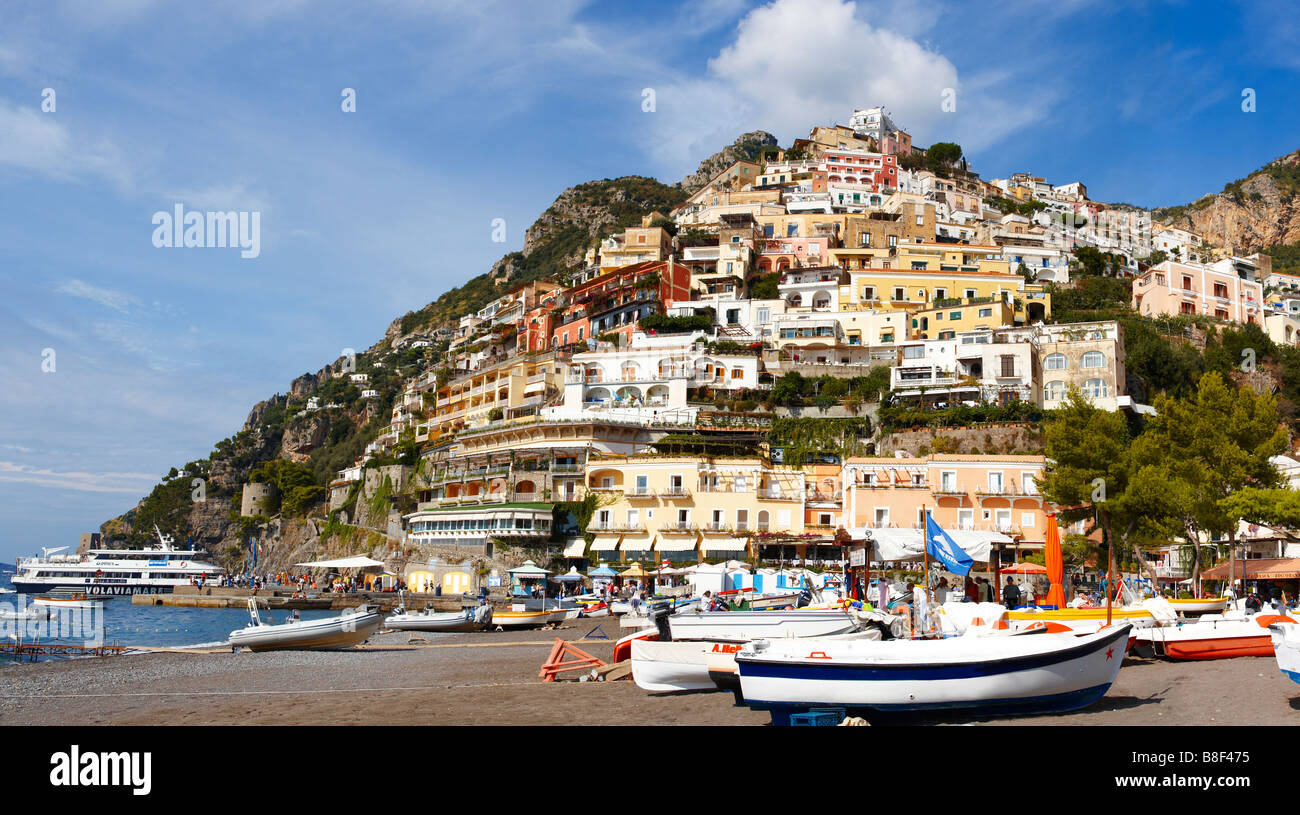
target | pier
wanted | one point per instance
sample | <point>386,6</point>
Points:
<point>282,598</point>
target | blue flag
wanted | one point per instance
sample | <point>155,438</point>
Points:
<point>941,547</point>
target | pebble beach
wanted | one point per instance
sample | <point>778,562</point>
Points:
<point>492,679</point>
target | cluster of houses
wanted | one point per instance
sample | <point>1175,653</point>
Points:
<point>828,258</point>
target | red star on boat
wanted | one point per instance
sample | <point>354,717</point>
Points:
<point>1110,652</point>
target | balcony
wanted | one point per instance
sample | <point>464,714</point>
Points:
<point>639,492</point>
<point>679,528</point>
<point>716,529</point>
<point>777,495</point>
<point>676,492</point>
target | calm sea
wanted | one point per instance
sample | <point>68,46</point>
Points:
<point>127,624</point>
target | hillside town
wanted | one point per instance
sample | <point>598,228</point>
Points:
<point>653,395</point>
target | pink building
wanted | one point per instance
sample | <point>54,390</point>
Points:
<point>962,491</point>
<point>1225,291</point>
<point>875,170</point>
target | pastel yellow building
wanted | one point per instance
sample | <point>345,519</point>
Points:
<point>689,509</point>
<point>516,386</point>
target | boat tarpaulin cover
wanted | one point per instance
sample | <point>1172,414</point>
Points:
<point>907,544</point>
<point>359,562</point>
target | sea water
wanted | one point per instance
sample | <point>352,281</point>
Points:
<point>158,626</point>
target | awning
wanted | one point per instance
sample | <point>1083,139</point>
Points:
<point>359,562</point>
<point>605,543</point>
<point>639,543</point>
<point>724,545</point>
<point>576,548</point>
<point>891,543</point>
<point>1257,569</point>
<point>675,545</point>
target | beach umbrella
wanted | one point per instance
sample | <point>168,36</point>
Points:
<point>634,571</point>
<point>1025,568</point>
<point>1055,563</point>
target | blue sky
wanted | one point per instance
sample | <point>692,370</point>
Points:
<point>469,113</point>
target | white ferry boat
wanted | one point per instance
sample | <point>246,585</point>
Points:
<point>158,569</point>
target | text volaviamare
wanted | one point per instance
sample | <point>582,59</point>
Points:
<point>91,769</point>
<point>194,230</point>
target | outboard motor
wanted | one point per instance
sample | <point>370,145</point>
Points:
<point>805,597</point>
<point>659,616</point>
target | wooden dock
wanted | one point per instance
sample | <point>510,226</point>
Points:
<point>32,651</point>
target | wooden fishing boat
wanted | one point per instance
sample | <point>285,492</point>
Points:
<point>521,619</point>
<point>767,602</point>
<point>1012,673</point>
<point>1215,636</point>
<point>1212,605</point>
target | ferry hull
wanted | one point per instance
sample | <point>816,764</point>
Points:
<point>32,587</point>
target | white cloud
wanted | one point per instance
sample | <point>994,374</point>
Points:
<point>39,142</point>
<point>798,63</point>
<point>105,297</point>
<point>222,197</point>
<point>132,483</point>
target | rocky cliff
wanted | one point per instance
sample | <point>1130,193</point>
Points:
<point>1251,214</point>
<point>745,148</point>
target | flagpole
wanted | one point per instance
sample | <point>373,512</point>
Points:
<point>925,516</point>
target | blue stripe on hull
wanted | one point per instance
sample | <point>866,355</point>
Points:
<point>1055,703</point>
<point>1293,675</point>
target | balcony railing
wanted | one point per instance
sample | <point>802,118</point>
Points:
<point>676,492</point>
<point>640,492</point>
<point>678,528</point>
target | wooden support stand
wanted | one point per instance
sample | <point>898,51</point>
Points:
<point>556,664</point>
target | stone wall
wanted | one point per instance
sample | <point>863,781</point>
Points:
<point>988,439</point>
<point>255,499</point>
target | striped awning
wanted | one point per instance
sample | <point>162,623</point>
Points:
<point>675,545</point>
<point>637,543</point>
<point>724,545</point>
<point>606,543</point>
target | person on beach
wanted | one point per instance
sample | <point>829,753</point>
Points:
<point>972,590</point>
<point>1011,594</point>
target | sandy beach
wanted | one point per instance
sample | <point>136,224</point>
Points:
<point>492,678</point>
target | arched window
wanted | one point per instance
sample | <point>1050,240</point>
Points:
<point>1054,391</point>
<point>1095,388</point>
<point>1055,362</point>
<point>1094,359</point>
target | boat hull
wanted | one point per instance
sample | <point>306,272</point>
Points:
<point>1211,606</point>
<point>1028,673</point>
<point>744,626</point>
<point>329,634</point>
<point>1285,640</point>
<point>673,666</point>
<point>44,587</point>
<point>520,619</point>
<point>450,622</point>
<point>1215,639</point>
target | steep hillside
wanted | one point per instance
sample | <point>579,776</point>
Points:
<point>745,148</point>
<point>1254,213</point>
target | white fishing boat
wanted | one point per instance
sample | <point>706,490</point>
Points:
<point>467,619</point>
<point>352,627</point>
<point>1286,648</point>
<point>692,665</point>
<point>743,626</point>
<point>1215,636</point>
<point>1010,673</point>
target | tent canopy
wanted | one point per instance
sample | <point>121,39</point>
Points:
<point>1025,568</point>
<point>529,569</point>
<point>892,543</point>
<point>602,571</point>
<point>359,562</point>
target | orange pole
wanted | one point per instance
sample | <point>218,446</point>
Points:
<point>1110,576</point>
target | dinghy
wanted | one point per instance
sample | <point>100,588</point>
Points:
<point>467,619</point>
<point>520,619</point>
<point>1010,673</point>
<point>352,627</point>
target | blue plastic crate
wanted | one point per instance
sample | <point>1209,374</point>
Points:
<point>824,719</point>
